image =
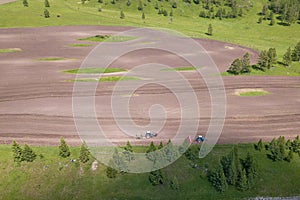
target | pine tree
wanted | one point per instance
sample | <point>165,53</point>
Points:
<point>64,150</point>
<point>218,179</point>
<point>47,4</point>
<point>161,145</point>
<point>128,3</point>
<point>210,30</point>
<point>111,172</point>
<point>260,20</point>
<point>27,154</point>
<point>250,167</point>
<point>263,60</point>
<point>17,152</point>
<point>149,154</point>
<point>296,145</point>
<point>140,5</point>
<point>271,57</point>
<point>272,22</point>
<point>287,57</point>
<point>171,152</point>
<point>84,153</point>
<point>236,67</point>
<point>290,156</point>
<point>296,53</point>
<point>122,15</point>
<point>259,145</point>
<point>242,183</point>
<point>174,184</point>
<point>245,63</point>
<point>118,162</point>
<point>25,3</point>
<point>143,16</point>
<point>128,152</point>
<point>156,177</point>
<point>46,13</point>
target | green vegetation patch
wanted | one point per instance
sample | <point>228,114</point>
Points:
<point>251,92</point>
<point>52,59</point>
<point>105,79</point>
<point>94,70</point>
<point>192,68</point>
<point>10,50</point>
<point>80,45</point>
<point>108,38</point>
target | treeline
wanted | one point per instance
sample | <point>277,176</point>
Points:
<point>266,60</point>
<point>280,149</point>
<point>27,154</point>
<point>235,171</point>
<point>288,11</point>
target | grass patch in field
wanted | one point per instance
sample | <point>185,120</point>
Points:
<point>105,79</point>
<point>251,92</point>
<point>181,69</point>
<point>52,59</point>
<point>94,70</point>
<point>80,45</point>
<point>108,38</point>
<point>10,50</point>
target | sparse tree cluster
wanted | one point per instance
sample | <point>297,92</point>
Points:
<point>267,59</point>
<point>22,154</point>
<point>240,66</point>
<point>232,170</point>
<point>279,149</point>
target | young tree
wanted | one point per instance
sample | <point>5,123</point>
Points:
<point>156,177</point>
<point>272,56</point>
<point>235,67</point>
<point>161,145</point>
<point>128,3</point>
<point>149,151</point>
<point>27,154</point>
<point>287,57</point>
<point>174,184</point>
<point>17,152</point>
<point>245,63</point>
<point>122,15</point>
<point>296,145</point>
<point>272,18</point>
<point>260,20</point>
<point>84,153</point>
<point>259,145</point>
<point>296,53</point>
<point>128,152</point>
<point>25,3</point>
<point>140,5</point>
<point>250,168</point>
<point>210,30</point>
<point>263,60</point>
<point>290,156</point>
<point>242,183</point>
<point>218,179</point>
<point>64,150</point>
<point>47,4</point>
<point>111,172</point>
<point>143,16</point>
<point>46,13</point>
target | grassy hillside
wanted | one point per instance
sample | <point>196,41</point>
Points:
<point>243,30</point>
<point>52,177</point>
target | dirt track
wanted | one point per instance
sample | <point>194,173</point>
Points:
<point>36,103</point>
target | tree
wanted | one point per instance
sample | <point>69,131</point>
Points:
<point>174,184</point>
<point>264,9</point>
<point>140,5</point>
<point>259,145</point>
<point>242,183</point>
<point>296,53</point>
<point>111,172</point>
<point>260,20</point>
<point>27,154</point>
<point>271,57</point>
<point>296,145</point>
<point>128,3</point>
<point>171,152</point>
<point>149,151</point>
<point>128,152</point>
<point>287,57</point>
<point>46,13</point>
<point>17,152</point>
<point>290,156</point>
<point>245,63</point>
<point>84,153</point>
<point>210,30</point>
<point>229,169</point>
<point>25,3</point>
<point>250,168</point>
<point>272,22</point>
<point>235,67</point>
<point>143,16</point>
<point>263,60</point>
<point>122,15</point>
<point>64,150</point>
<point>218,179</point>
<point>161,145</point>
<point>47,4</point>
<point>156,177</point>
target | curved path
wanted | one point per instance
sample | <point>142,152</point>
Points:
<point>36,103</point>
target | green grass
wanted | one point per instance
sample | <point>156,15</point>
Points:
<point>244,31</point>
<point>94,70</point>
<point>57,178</point>
<point>181,69</point>
<point>253,93</point>
<point>108,38</point>
<point>80,45</point>
<point>10,50</point>
<point>105,79</point>
<point>52,59</point>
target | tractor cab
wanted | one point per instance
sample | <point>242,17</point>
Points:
<point>150,134</point>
